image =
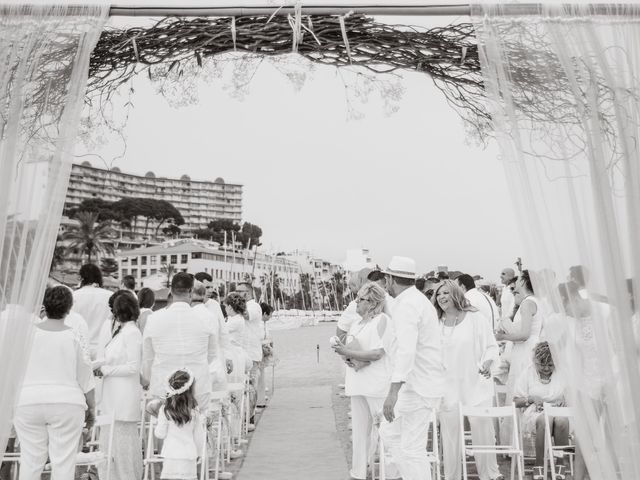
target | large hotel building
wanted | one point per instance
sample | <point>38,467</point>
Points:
<point>198,201</point>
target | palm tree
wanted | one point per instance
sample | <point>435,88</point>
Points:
<point>89,235</point>
<point>170,270</point>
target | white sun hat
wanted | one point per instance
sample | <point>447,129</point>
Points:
<point>403,267</point>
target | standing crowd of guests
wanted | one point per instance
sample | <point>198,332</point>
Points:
<point>415,351</point>
<point>96,351</point>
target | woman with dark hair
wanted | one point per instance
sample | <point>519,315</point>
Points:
<point>180,425</point>
<point>146,301</point>
<point>121,389</point>
<point>56,396</point>
<point>468,352</point>
<point>523,331</point>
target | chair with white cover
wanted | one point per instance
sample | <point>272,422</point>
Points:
<point>514,449</point>
<point>238,390</point>
<point>151,458</point>
<point>95,456</point>
<point>551,450</point>
<point>218,433</point>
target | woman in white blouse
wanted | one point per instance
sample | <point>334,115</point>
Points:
<point>236,306</point>
<point>468,349</point>
<point>56,396</point>
<point>368,376</point>
<point>121,389</point>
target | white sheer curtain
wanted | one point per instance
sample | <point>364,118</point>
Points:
<point>44,61</point>
<point>564,90</point>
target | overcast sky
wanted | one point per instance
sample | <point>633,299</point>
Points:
<point>316,178</point>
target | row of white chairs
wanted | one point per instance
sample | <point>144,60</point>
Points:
<point>513,448</point>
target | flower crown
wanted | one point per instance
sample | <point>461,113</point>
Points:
<point>177,391</point>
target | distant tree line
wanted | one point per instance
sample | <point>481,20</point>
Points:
<point>246,234</point>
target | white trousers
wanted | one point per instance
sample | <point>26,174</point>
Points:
<point>49,430</point>
<point>406,437</point>
<point>364,438</point>
<point>482,433</point>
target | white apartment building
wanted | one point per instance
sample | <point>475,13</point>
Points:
<point>198,201</point>
<point>192,256</point>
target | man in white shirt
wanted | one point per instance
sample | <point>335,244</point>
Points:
<point>91,301</point>
<point>349,316</point>
<point>212,303</point>
<point>507,302</point>
<point>217,368</point>
<point>480,300</point>
<point>177,337</point>
<point>129,284</point>
<point>418,374</point>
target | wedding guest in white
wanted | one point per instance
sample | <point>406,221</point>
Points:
<point>469,350</point>
<point>129,283</point>
<point>536,385</point>
<point>267,355</point>
<point>74,321</point>
<point>121,390</point>
<point>57,394</point>
<point>356,281</point>
<point>91,301</point>
<point>524,333</point>
<point>146,301</point>
<point>177,337</point>
<point>253,333</point>
<point>217,369</point>
<point>378,277</point>
<point>418,373</point>
<point>212,303</point>
<point>368,377</point>
<point>507,302</point>
<point>236,306</point>
<point>479,300</point>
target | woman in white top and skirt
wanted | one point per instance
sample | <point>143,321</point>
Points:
<point>236,306</point>
<point>368,376</point>
<point>524,333</point>
<point>121,390</point>
<point>56,396</point>
<point>469,349</point>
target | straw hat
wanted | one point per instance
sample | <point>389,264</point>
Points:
<point>403,267</point>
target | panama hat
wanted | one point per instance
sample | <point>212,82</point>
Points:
<point>403,267</point>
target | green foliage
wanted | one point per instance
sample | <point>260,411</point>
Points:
<point>90,235</point>
<point>128,210</point>
<point>248,234</point>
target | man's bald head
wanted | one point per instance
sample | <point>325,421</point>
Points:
<point>507,275</point>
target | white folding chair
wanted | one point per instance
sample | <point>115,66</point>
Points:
<point>498,390</point>
<point>151,458</point>
<point>514,449</point>
<point>551,450</point>
<point>96,456</point>
<point>204,458</point>
<point>238,390</point>
<point>217,432</point>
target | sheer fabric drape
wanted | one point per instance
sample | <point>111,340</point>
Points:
<point>44,61</point>
<point>563,87</point>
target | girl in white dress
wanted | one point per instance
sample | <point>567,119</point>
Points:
<point>368,376</point>
<point>181,427</point>
<point>469,350</point>
<point>236,306</point>
<point>537,385</point>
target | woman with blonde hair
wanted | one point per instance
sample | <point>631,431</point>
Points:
<point>469,349</point>
<point>367,355</point>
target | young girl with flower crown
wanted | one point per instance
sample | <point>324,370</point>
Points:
<point>180,425</point>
